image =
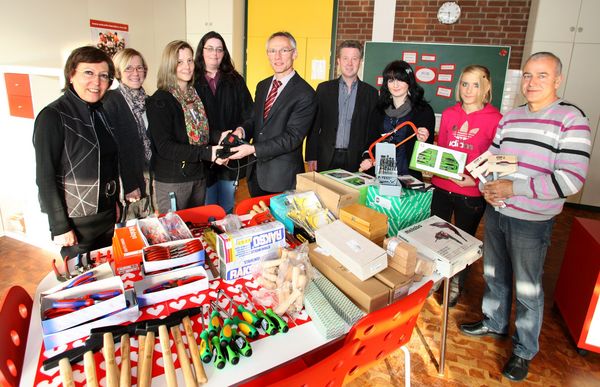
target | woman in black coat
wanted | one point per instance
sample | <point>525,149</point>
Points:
<point>126,109</point>
<point>228,104</point>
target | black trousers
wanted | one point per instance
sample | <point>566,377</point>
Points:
<point>339,160</point>
<point>93,232</point>
<point>467,211</point>
<point>253,186</point>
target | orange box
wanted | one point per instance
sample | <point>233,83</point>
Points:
<point>128,243</point>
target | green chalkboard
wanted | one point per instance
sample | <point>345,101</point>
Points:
<point>437,66</point>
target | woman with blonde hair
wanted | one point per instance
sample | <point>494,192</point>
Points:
<point>126,108</point>
<point>179,132</point>
<point>469,127</point>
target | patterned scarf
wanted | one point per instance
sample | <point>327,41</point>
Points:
<point>196,123</point>
<point>136,99</point>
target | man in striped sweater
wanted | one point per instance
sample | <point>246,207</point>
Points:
<point>551,139</point>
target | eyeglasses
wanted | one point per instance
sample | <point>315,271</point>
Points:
<point>131,69</point>
<point>282,51</point>
<point>89,75</point>
<point>218,50</point>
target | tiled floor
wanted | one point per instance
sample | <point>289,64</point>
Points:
<point>469,361</point>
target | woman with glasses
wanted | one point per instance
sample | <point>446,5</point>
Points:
<point>401,99</point>
<point>77,168</point>
<point>228,104</point>
<point>126,109</point>
<point>179,132</point>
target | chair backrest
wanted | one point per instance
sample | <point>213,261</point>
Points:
<point>244,206</point>
<point>15,314</point>
<point>371,339</point>
<point>201,214</point>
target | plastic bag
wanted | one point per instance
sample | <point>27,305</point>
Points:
<point>284,280</point>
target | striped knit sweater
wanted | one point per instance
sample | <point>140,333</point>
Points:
<point>553,148</point>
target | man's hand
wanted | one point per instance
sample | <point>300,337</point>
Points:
<point>134,195</point>
<point>240,132</point>
<point>67,239</point>
<point>495,192</point>
<point>223,135</point>
<point>422,134</point>
<point>366,164</point>
<point>467,181</point>
<point>242,151</point>
<point>312,165</point>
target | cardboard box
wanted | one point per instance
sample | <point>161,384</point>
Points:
<point>368,222</point>
<point>451,248</point>
<point>356,180</point>
<point>127,245</point>
<point>100,272</point>
<point>145,299</point>
<point>165,264</point>
<point>370,295</point>
<point>412,207</point>
<point>84,315</point>
<point>438,160</point>
<point>240,251</point>
<point>398,283</point>
<point>333,195</point>
<point>358,254</point>
<point>129,314</point>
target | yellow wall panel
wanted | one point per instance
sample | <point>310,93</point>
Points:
<point>311,23</point>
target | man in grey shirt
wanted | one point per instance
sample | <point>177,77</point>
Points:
<point>347,119</point>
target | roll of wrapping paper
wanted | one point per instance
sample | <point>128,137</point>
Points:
<point>343,306</point>
<point>329,324</point>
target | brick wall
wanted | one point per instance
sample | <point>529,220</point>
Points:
<point>496,22</point>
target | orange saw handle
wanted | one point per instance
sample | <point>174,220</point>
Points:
<point>414,128</point>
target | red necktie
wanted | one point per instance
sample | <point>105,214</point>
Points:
<point>271,98</point>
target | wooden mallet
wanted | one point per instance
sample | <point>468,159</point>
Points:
<point>185,316</point>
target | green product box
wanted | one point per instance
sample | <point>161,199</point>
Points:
<point>437,160</point>
<point>402,211</point>
<point>357,180</point>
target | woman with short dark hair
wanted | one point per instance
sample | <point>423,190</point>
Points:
<point>77,169</point>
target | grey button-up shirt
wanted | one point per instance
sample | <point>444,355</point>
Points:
<point>346,102</point>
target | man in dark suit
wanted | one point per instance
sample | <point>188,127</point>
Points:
<point>347,120</point>
<point>283,113</point>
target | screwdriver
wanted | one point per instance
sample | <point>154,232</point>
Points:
<point>247,315</point>
<point>227,332</point>
<point>244,347</point>
<point>282,326</point>
<point>264,321</point>
<point>246,328</point>
<point>219,358</point>
<point>206,352</point>
<point>214,324</point>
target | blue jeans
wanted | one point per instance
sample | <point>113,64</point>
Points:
<point>515,247</point>
<point>222,193</point>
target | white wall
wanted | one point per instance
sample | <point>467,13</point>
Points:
<point>37,36</point>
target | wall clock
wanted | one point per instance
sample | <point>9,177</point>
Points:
<point>449,12</point>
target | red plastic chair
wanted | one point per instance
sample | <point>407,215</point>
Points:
<point>201,214</point>
<point>15,314</point>
<point>371,339</point>
<point>244,207</point>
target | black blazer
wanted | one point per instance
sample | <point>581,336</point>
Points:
<point>364,128</point>
<point>278,139</point>
<point>174,159</point>
<point>131,147</point>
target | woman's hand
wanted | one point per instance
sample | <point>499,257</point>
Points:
<point>467,181</point>
<point>134,195</point>
<point>366,164</point>
<point>67,239</point>
<point>422,134</point>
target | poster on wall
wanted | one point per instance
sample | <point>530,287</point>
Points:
<point>110,37</point>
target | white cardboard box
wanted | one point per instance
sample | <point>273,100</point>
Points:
<point>83,315</point>
<point>451,248</point>
<point>129,314</point>
<point>100,272</point>
<point>153,266</point>
<point>358,254</point>
<point>172,293</point>
<point>240,251</point>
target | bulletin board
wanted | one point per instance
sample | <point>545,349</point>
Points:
<point>438,67</point>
